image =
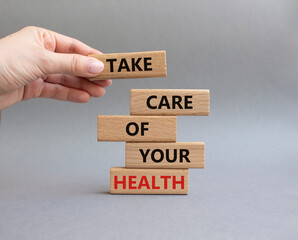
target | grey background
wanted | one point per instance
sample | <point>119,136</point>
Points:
<point>54,175</point>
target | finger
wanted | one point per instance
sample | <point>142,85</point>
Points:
<point>59,92</point>
<point>32,90</point>
<point>76,82</point>
<point>65,44</point>
<point>73,64</point>
<point>103,83</point>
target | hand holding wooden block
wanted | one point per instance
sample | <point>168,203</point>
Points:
<point>169,102</point>
<point>132,65</point>
<point>148,181</point>
<point>136,128</point>
<point>165,155</point>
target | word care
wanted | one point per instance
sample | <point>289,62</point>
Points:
<point>165,155</point>
<point>132,65</point>
<point>136,128</point>
<point>169,102</point>
<point>148,181</point>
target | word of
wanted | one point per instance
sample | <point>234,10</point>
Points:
<point>136,128</point>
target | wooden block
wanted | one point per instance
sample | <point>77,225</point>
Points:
<point>136,128</point>
<point>165,155</point>
<point>132,65</point>
<point>169,102</point>
<point>148,181</point>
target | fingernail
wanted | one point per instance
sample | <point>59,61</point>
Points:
<point>95,66</point>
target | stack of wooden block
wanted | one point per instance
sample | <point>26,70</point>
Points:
<point>155,163</point>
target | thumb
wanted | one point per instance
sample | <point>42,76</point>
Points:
<point>74,64</point>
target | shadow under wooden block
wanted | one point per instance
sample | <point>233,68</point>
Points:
<point>170,102</point>
<point>148,181</point>
<point>136,128</point>
<point>165,155</point>
<point>132,65</point>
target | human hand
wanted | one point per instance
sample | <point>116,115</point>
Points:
<point>36,62</point>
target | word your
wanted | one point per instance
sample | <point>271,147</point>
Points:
<point>163,102</point>
<point>165,182</point>
<point>158,155</point>
<point>134,64</point>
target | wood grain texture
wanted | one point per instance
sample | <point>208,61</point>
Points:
<point>159,129</point>
<point>148,181</point>
<point>132,65</point>
<point>165,155</point>
<point>169,102</point>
